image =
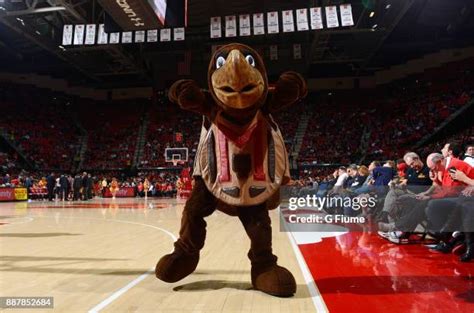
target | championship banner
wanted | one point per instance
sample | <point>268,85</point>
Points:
<point>127,37</point>
<point>114,38</point>
<point>331,16</point>
<point>13,194</point>
<point>102,36</point>
<point>135,14</point>
<point>90,34</point>
<point>288,22</point>
<point>272,22</point>
<point>123,192</point>
<point>316,18</point>
<point>302,19</point>
<point>216,31</point>
<point>230,26</point>
<point>140,36</point>
<point>258,24</point>
<point>346,15</point>
<point>178,34</point>
<point>67,35</point>
<point>152,35</point>
<point>79,34</point>
<point>244,25</point>
<point>165,34</point>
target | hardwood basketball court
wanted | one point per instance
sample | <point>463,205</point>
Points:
<point>100,256</point>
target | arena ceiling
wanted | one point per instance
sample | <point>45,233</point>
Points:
<point>31,30</point>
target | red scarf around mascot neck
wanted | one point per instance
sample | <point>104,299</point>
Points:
<point>240,138</point>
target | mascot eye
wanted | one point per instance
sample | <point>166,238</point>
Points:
<point>220,62</point>
<point>250,60</point>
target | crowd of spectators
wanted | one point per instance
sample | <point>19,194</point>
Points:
<point>39,124</point>
<point>415,196</point>
<point>343,126</point>
<point>112,130</point>
<point>9,163</point>
<point>394,117</point>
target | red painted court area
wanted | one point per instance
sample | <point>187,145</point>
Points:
<point>360,272</point>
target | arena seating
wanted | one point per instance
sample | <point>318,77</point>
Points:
<point>396,115</point>
<point>9,163</point>
<point>37,121</point>
<point>112,133</point>
<point>393,117</point>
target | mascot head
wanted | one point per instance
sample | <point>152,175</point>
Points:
<point>237,79</point>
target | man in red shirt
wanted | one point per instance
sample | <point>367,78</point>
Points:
<point>434,201</point>
<point>447,186</point>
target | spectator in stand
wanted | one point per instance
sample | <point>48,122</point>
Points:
<point>439,209</point>
<point>417,180</point>
<point>351,175</point>
<point>469,155</point>
<point>449,151</point>
<point>326,184</point>
<point>342,176</point>
<point>382,176</point>
<point>412,215</point>
<point>6,180</point>
<point>358,176</point>
<point>401,168</point>
<point>364,174</point>
<point>464,206</point>
<point>28,182</point>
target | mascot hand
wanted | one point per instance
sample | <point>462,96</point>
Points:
<point>290,88</point>
<point>187,94</point>
<point>292,85</point>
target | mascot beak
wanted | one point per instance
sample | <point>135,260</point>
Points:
<point>239,66</point>
<point>238,84</point>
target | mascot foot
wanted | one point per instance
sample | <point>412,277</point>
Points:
<point>176,266</point>
<point>274,280</point>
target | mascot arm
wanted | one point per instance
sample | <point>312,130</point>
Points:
<point>290,88</point>
<point>187,94</point>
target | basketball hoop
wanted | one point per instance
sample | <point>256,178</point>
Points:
<point>176,155</point>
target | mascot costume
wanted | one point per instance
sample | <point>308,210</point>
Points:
<point>240,164</point>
